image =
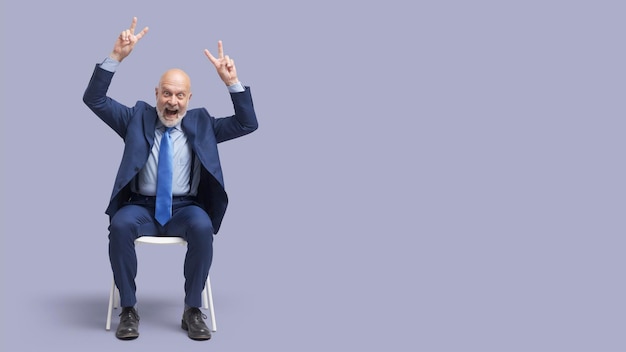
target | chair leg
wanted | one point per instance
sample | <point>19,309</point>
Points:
<point>116,298</point>
<point>205,297</point>
<point>110,308</point>
<point>209,300</point>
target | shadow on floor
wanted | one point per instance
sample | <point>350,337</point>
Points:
<point>88,311</point>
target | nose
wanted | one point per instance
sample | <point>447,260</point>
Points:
<point>173,100</point>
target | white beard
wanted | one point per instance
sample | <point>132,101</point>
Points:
<point>169,123</point>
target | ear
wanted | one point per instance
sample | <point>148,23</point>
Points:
<point>156,92</point>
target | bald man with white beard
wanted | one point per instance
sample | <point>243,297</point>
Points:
<point>196,201</point>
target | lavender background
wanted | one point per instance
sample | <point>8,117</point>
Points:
<point>427,176</point>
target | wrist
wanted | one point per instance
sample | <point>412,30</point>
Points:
<point>116,57</point>
<point>236,87</point>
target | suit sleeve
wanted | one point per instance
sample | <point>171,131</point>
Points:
<point>114,114</point>
<point>243,122</point>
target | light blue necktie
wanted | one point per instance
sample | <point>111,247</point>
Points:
<point>163,205</point>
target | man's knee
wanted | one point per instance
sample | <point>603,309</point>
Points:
<point>124,225</point>
<point>201,230</point>
<point>198,220</point>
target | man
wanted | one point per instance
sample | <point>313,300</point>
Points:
<point>169,181</point>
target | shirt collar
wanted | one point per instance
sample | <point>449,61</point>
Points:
<point>161,126</point>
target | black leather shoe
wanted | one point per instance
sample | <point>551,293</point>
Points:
<point>194,324</point>
<point>128,328</point>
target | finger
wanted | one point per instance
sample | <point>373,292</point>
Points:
<point>220,49</point>
<point>211,57</point>
<point>142,33</point>
<point>124,35</point>
<point>227,61</point>
<point>133,24</point>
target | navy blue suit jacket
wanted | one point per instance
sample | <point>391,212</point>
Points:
<point>136,126</point>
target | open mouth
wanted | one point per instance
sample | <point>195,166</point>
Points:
<point>171,114</point>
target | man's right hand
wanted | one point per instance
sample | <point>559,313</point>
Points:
<point>126,41</point>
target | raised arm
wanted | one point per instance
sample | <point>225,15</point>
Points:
<point>114,114</point>
<point>244,121</point>
<point>126,41</point>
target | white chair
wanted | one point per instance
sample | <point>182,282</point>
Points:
<point>207,294</point>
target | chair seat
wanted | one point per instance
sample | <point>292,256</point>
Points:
<point>161,240</point>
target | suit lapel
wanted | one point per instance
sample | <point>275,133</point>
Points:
<point>204,146</point>
<point>149,125</point>
<point>189,126</point>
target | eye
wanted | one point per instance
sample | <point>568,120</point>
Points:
<point>166,94</point>
<point>181,95</point>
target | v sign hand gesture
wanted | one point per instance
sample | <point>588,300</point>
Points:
<point>126,41</point>
<point>224,65</point>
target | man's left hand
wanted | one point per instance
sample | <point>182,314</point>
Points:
<point>224,65</point>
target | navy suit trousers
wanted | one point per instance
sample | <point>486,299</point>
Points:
<point>136,219</point>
